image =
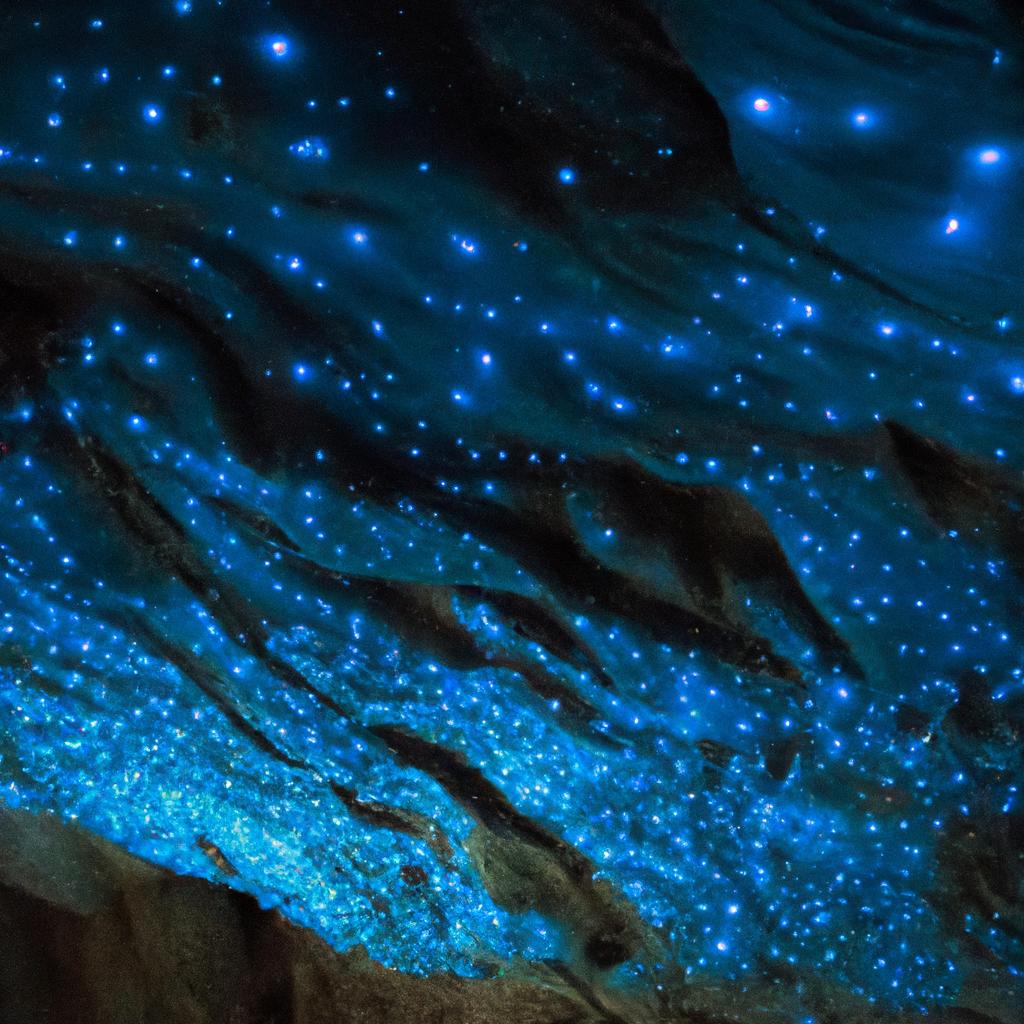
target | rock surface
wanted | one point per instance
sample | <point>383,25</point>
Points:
<point>93,935</point>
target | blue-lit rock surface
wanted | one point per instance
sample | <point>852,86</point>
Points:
<point>530,481</point>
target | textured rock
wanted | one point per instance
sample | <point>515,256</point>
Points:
<point>92,935</point>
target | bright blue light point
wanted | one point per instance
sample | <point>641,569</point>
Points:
<point>567,176</point>
<point>151,112</point>
<point>310,149</point>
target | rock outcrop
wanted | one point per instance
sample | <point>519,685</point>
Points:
<point>93,935</point>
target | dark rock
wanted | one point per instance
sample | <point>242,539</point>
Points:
<point>92,935</point>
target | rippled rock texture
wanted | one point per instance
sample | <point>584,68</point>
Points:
<point>526,487</point>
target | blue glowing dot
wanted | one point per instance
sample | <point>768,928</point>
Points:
<point>862,119</point>
<point>613,324</point>
<point>360,237</point>
<point>1017,385</point>
<point>390,92</point>
<point>136,423</point>
<point>424,167</point>
<point>567,176</point>
<point>55,120</point>
<point>887,329</point>
<point>279,47</point>
<point>486,358</point>
<point>168,71</point>
<point>118,242</point>
<point>990,156</point>
<point>310,149</point>
<point>151,112</point>
<point>183,6</point>
<point>151,359</point>
<point>295,264</point>
<point>117,328</point>
<point>300,371</point>
<point>1003,323</point>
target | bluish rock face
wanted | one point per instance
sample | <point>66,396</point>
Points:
<point>528,480</point>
